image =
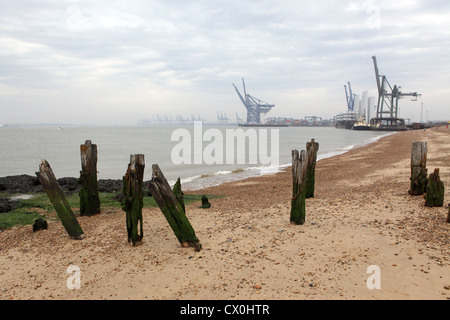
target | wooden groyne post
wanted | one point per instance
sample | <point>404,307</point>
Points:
<point>133,200</point>
<point>89,197</point>
<point>311,149</point>
<point>58,199</point>
<point>172,209</point>
<point>299,164</point>
<point>418,168</point>
<point>448,215</point>
<point>179,194</point>
<point>434,196</point>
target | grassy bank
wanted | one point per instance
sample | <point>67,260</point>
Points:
<point>39,206</point>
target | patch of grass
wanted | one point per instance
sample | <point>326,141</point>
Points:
<point>39,206</point>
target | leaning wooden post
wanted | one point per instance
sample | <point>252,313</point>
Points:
<point>58,199</point>
<point>133,200</point>
<point>298,211</point>
<point>311,149</point>
<point>89,197</point>
<point>172,209</point>
<point>434,196</point>
<point>418,168</point>
<point>179,194</point>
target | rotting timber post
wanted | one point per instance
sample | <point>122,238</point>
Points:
<point>133,202</point>
<point>172,209</point>
<point>89,197</point>
<point>299,164</point>
<point>58,199</point>
<point>418,168</point>
<point>434,196</point>
<point>311,149</point>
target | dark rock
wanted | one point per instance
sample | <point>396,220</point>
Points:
<point>7,205</point>
<point>205,203</point>
<point>109,185</point>
<point>20,184</point>
<point>69,184</point>
<point>39,224</point>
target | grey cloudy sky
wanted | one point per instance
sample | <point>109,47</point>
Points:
<point>117,62</point>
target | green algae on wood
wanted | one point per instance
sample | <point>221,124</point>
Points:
<point>133,202</point>
<point>311,149</point>
<point>434,196</point>
<point>89,196</point>
<point>58,199</point>
<point>172,210</point>
<point>298,208</point>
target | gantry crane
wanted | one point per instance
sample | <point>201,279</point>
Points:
<point>388,96</point>
<point>255,107</point>
<point>350,97</point>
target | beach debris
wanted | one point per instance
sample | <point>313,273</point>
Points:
<point>434,196</point>
<point>418,168</point>
<point>311,149</point>
<point>172,209</point>
<point>58,199</point>
<point>89,197</point>
<point>299,163</point>
<point>133,201</point>
<point>448,216</point>
<point>40,224</point>
<point>205,203</point>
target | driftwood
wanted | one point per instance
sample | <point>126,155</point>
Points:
<point>311,149</point>
<point>418,168</point>
<point>58,199</point>
<point>89,197</point>
<point>133,200</point>
<point>434,196</point>
<point>299,162</point>
<point>172,209</point>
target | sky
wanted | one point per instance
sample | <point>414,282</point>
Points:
<point>119,62</point>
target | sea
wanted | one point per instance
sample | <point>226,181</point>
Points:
<point>23,148</point>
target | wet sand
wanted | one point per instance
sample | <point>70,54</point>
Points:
<point>361,216</point>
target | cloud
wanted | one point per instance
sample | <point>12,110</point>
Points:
<point>171,57</point>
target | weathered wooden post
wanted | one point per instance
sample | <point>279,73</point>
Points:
<point>311,149</point>
<point>179,194</point>
<point>89,197</point>
<point>133,200</point>
<point>448,215</point>
<point>434,196</point>
<point>418,168</point>
<point>58,199</point>
<point>299,163</point>
<point>172,209</point>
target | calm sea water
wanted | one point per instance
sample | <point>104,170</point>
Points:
<point>21,151</point>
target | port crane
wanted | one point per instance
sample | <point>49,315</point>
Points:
<point>255,107</point>
<point>388,96</point>
<point>350,97</point>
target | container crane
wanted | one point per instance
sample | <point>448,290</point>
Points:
<point>388,96</point>
<point>255,107</point>
<point>350,97</point>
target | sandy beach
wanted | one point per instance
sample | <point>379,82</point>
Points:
<point>361,216</point>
